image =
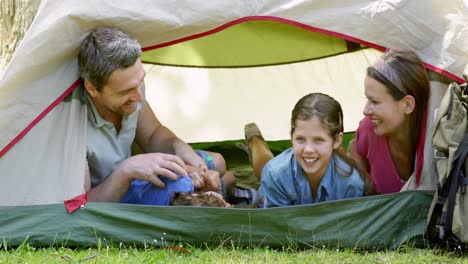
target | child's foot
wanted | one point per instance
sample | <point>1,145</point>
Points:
<point>251,130</point>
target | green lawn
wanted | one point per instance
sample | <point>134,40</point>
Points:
<point>192,255</point>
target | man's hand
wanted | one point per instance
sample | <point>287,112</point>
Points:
<point>204,179</point>
<point>197,175</point>
<point>212,181</point>
<point>147,167</point>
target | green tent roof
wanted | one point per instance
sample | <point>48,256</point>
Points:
<point>251,43</point>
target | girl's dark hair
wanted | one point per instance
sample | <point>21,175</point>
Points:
<point>330,114</point>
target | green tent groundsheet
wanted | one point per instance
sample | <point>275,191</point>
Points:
<point>374,222</point>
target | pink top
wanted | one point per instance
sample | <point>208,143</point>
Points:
<point>375,149</point>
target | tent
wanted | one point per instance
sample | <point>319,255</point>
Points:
<point>211,68</point>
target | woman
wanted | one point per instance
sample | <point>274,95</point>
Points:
<point>390,138</point>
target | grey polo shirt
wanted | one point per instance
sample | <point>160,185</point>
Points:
<point>106,148</point>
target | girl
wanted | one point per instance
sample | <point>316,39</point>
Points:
<point>388,138</point>
<point>316,168</point>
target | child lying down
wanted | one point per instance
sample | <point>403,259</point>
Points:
<point>180,192</point>
<point>209,198</point>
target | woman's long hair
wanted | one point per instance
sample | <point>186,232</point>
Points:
<point>403,73</point>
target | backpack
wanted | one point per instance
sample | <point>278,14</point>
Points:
<point>448,215</point>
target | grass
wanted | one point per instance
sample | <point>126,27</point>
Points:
<point>193,255</point>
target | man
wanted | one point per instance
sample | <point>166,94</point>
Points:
<point>118,114</point>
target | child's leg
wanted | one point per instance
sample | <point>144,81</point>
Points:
<point>259,151</point>
<point>260,155</point>
<point>227,177</point>
<point>229,181</point>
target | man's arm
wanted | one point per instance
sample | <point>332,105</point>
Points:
<point>87,179</point>
<point>110,190</point>
<point>152,136</point>
<point>145,167</point>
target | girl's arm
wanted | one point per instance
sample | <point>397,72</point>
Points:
<point>272,192</point>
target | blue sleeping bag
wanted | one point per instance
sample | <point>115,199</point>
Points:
<point>144,192</point>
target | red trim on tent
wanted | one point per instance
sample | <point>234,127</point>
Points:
<point>209,32</point>
<point>445,73</point>
<point>39,118</point>
<point>75,203</point>
<point>270,18</point>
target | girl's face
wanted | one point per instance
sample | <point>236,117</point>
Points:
<point>313,147</point>
<point>387,114</point>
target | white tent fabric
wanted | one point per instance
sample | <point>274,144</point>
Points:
<point>42,147</point>
<point>32,175</point>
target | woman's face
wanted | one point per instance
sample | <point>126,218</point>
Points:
<point>387,114</point>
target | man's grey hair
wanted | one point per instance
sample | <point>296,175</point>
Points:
<point>103,51</point>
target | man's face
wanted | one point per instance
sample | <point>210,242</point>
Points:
<point>122,91</point>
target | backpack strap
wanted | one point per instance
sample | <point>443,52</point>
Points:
<point>450,105</point>
<point>457,181</point>
<point>435,227</point>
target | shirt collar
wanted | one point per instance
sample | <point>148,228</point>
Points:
<point>326,184</point>
<point>93,114</point>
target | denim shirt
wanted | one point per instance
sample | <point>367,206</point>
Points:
<point>283,182</point>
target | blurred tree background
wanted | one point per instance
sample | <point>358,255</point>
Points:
<point>15,18</point>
